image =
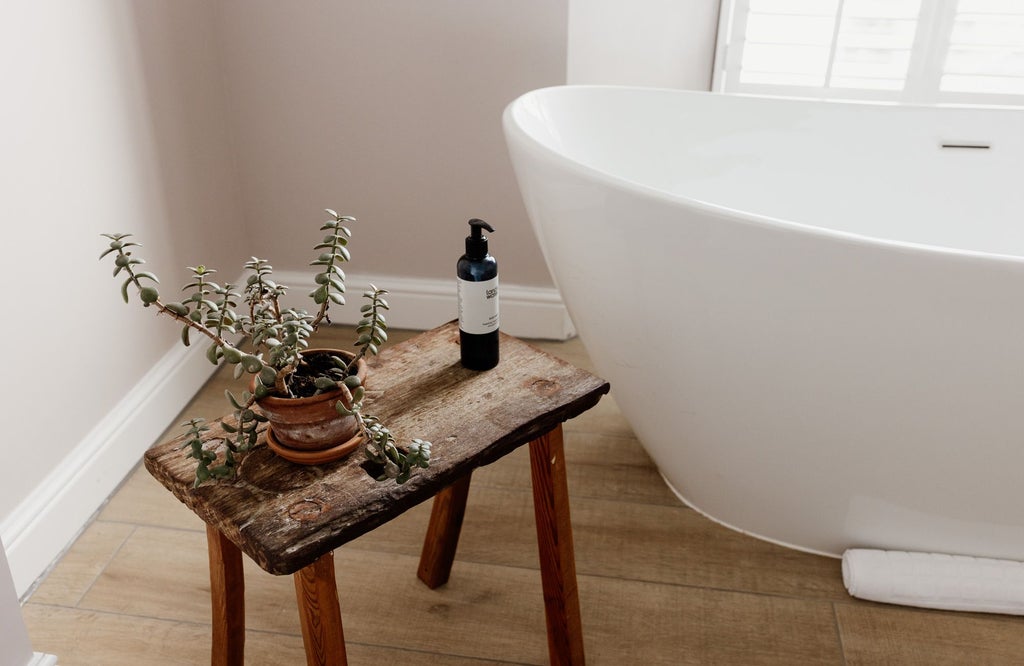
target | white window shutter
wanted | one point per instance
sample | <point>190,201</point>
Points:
<point>921,51</point>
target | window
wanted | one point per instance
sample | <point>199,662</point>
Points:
<point>916,51</point>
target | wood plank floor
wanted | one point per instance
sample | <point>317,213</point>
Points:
<point>659,584</point>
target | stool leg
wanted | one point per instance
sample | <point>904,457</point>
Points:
<point>227,596</point>
<point>443,533</point>
<point>320,613</point>
<point>557,560</point>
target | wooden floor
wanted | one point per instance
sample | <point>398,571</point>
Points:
<point>659,584</point>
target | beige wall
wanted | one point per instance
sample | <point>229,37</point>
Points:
<point>101,132</point>
<point>96,138</point>
<point>388,111</point>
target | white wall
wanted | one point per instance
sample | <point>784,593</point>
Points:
<point>660,43</point>
<point>389,111</point>
<point>110,123</point>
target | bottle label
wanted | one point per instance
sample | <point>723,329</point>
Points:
<point>478,306</point>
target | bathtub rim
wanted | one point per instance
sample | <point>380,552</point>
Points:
<point>525,140</point>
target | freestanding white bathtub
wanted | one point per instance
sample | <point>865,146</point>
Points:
<point>812,313</point>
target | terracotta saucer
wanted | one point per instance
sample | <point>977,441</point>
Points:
<point>312,457</point>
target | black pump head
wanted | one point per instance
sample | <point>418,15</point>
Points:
<point>476,242</point>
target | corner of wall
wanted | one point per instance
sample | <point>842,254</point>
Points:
<point>421,304</point>
<point>46,522</point>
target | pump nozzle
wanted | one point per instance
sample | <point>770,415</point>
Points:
<point>476,242</point>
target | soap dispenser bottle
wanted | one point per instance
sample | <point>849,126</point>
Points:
<point>478,301</point>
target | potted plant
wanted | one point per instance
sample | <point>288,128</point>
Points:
<point>269,344</point>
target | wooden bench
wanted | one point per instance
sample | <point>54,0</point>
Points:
<point>289,518</point>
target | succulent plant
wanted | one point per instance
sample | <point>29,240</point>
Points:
<point>267,341</point>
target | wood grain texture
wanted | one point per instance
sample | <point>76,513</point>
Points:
<point>442,537</point>
<point>285,516</point>
<point>320,614</point>
<point>554,540</point>
<point>227,597</point>
<point>82,564</point>
<point>883,634</point>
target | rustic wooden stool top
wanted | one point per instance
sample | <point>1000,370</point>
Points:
<point>289,518</point>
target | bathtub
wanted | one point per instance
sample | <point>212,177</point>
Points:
<point>811,313</point>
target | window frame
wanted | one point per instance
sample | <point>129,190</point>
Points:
<point>931,44</point>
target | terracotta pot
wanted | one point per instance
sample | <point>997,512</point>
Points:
<point>311,424</point>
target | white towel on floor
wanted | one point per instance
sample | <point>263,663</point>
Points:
<point>931,580</point>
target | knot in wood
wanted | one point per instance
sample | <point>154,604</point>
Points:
<point>306,510</point>
<point>545,387</point>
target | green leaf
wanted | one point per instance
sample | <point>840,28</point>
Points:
<point>212,355</point>
<point>177,308</point>
<point>184,336</point>
<point>325,383</point>
<point>252,364</point>
<point>149,295</point>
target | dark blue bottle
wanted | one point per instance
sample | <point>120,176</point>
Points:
<point>478,301</point>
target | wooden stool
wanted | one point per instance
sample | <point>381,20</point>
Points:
<point>289,518</point>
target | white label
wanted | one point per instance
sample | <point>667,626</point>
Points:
<point>478,306</point>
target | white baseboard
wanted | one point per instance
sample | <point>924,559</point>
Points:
<point>40,659</point>
<point>46,522</point>
<point>416,303</point>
